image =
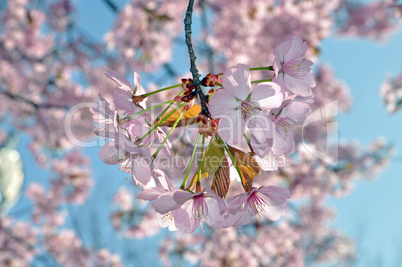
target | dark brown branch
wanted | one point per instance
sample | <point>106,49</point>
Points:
<point>30,102</point>
<point>111,5</point>
<point>193,69</point>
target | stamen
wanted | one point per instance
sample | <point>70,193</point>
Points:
<point>256,203</point>
<point>200,209</point>
<point>249,109</point>
<point>284,126</point>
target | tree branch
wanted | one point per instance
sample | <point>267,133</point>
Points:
<point>111,5</point>
<point>30,102</point>
<point>193,69</point>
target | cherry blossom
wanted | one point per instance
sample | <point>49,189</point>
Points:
<point>269,201</point>
<point>292,70</point>
<point>49,64</point>
<point>285,119</point>
<point>190,209</point>
<point>237,104</point>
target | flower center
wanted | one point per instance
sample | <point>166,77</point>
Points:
<point>200,208</point>
<point>249,109</point>
<point>296,68</point>
<point>284,126</point>
<point>256,203</point>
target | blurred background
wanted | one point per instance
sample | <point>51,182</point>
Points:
<point>62,206</point>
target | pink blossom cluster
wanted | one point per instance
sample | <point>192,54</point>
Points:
<point>38,70</point>
<point>48,64</point>
<point>250,22</point>
<point>47,232</point>
<point>143,32</point>
<point>376,20</point>
<point>264,116</point>
<point>130,218</point>
<point>71,186</point>
<point>17,242</point>
<point>391,92</point>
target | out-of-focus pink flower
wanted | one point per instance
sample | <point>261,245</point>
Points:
<point>238,106</point>
<point>391,91</point>
<point>271,161</point>
<point>190,209</point>
<point>106,116</point>
<point>123,94</point>
<point>292,71</point>
<point>285,119</point>
<point>269,201</point>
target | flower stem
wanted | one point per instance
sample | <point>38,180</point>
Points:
<point>167,108</point>
<point>161,90</point>
<point>232,159</point>
<point>262,68</point>
<point>183,185</point>
<point>159,123</point>
<point>249,143</point>
<point>261,81</point>
<point>201,159</point>
<point>126,119</point>
<point>167,136</point>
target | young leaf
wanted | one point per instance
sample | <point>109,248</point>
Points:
<point>221,182</point>
<point>212,160</point>
<point>247,165</point>
<point>189,117</point>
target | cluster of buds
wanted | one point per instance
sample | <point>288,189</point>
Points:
<point>207,125</point>
<point>212,80</point>
<point>189,94</point>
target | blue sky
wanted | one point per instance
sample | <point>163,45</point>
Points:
<point>371,212</point>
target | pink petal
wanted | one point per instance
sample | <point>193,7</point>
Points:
<point>166,220</point>
<point>110,155</point>
<point>239,216</point>
<point>215,217</point>
<point>151,194</point>
<point>298,111</point>
<point>222,101</point>
<point>271,161</point>
<point>184,219</point>
<point>237,201</point>
<point>161,180</point>
<point>297,49</point>
<point>119,79</point>
<point>283,145</point>
<point>275,193</point>
<point>171,200</point>
<point>296,85</point>
<point>280,81</point>
<point>267,95</point>
<point>238,80</point>
<point>231,127</point>
<point>274,213</point>
<point>221,203</point>
<point>280,50</point>
<point>141,171</point>
<point>123,99</point>
<point>138,90</point>
<point>125,144</point>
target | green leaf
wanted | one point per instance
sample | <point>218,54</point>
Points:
<point>212,160</point>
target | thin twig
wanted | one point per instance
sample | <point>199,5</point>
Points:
<point>193,69</point>
<point>30,102</point>
<point>111,5</point>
